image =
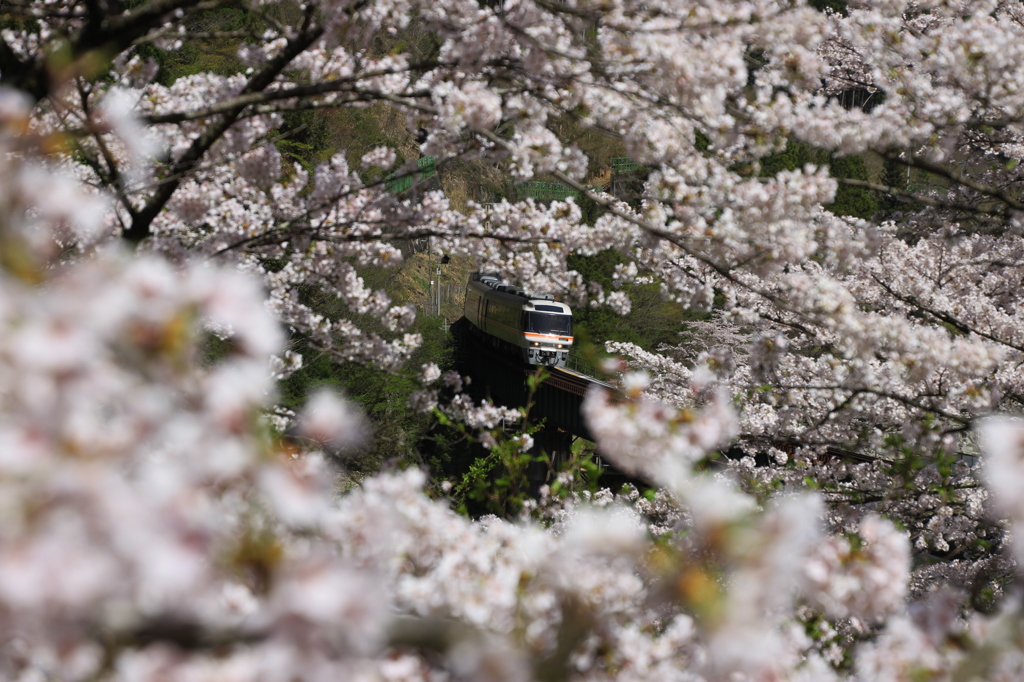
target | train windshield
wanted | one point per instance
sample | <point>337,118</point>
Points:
<point>545,323</point>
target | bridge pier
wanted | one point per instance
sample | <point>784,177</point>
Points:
<point>504,379</point>
<point>555,446</point>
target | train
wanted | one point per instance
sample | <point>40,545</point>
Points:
<point>536,328</point>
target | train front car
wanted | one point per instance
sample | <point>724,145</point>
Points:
<point>536,329</point>
<point>547,332</point>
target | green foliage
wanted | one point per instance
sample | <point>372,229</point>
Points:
<point>29,24</point>
<point>590,210</point>
<point>894,174</point>
<point>308,138</point>
<point>495,479</point>
<point>413,40</point>
<point>496,482</point>
<point>795,156</point>
<point>355,130</point>
<point>214,349</point>
<point>398,430</point>
<point>213,54</point>
<point>851,201</point>
<point>599,147</point>
<point>383,396</point>
<point>579,473</point>
<point>838,6</point>
<point>701,141</point>
<point>652,321</point>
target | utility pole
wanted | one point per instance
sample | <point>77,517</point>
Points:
<point>442,259</point>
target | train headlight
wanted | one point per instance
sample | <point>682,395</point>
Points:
<point>559,345</point>
<point>535,343</point>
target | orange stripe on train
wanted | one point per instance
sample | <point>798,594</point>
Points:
<point>548,336</point>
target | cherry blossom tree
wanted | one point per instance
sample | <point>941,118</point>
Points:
<point>157,528</point>
<point>852,346</point>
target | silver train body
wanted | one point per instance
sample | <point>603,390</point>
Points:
<point>536,328</point>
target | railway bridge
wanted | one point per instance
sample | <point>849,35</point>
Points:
<point>557,401</point>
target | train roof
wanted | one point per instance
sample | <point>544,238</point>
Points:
<point>546,306</point>
<point>501,290</point>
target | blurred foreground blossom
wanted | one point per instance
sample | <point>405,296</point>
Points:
<point>149,521</point>
<point>642,435</point>
<point>152,529</point>
<point>1003,441</point>
<point>865,582</point>
<point>333,422</point>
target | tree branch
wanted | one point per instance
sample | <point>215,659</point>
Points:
<point>927,201</point>
<point>251,98</point>
<point>144,218</point>
<point>959,178</point>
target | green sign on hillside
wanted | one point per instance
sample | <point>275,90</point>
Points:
<point>549,191</point>
<point>398,182</point>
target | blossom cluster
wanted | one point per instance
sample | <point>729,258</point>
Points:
<point>152,530</point>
